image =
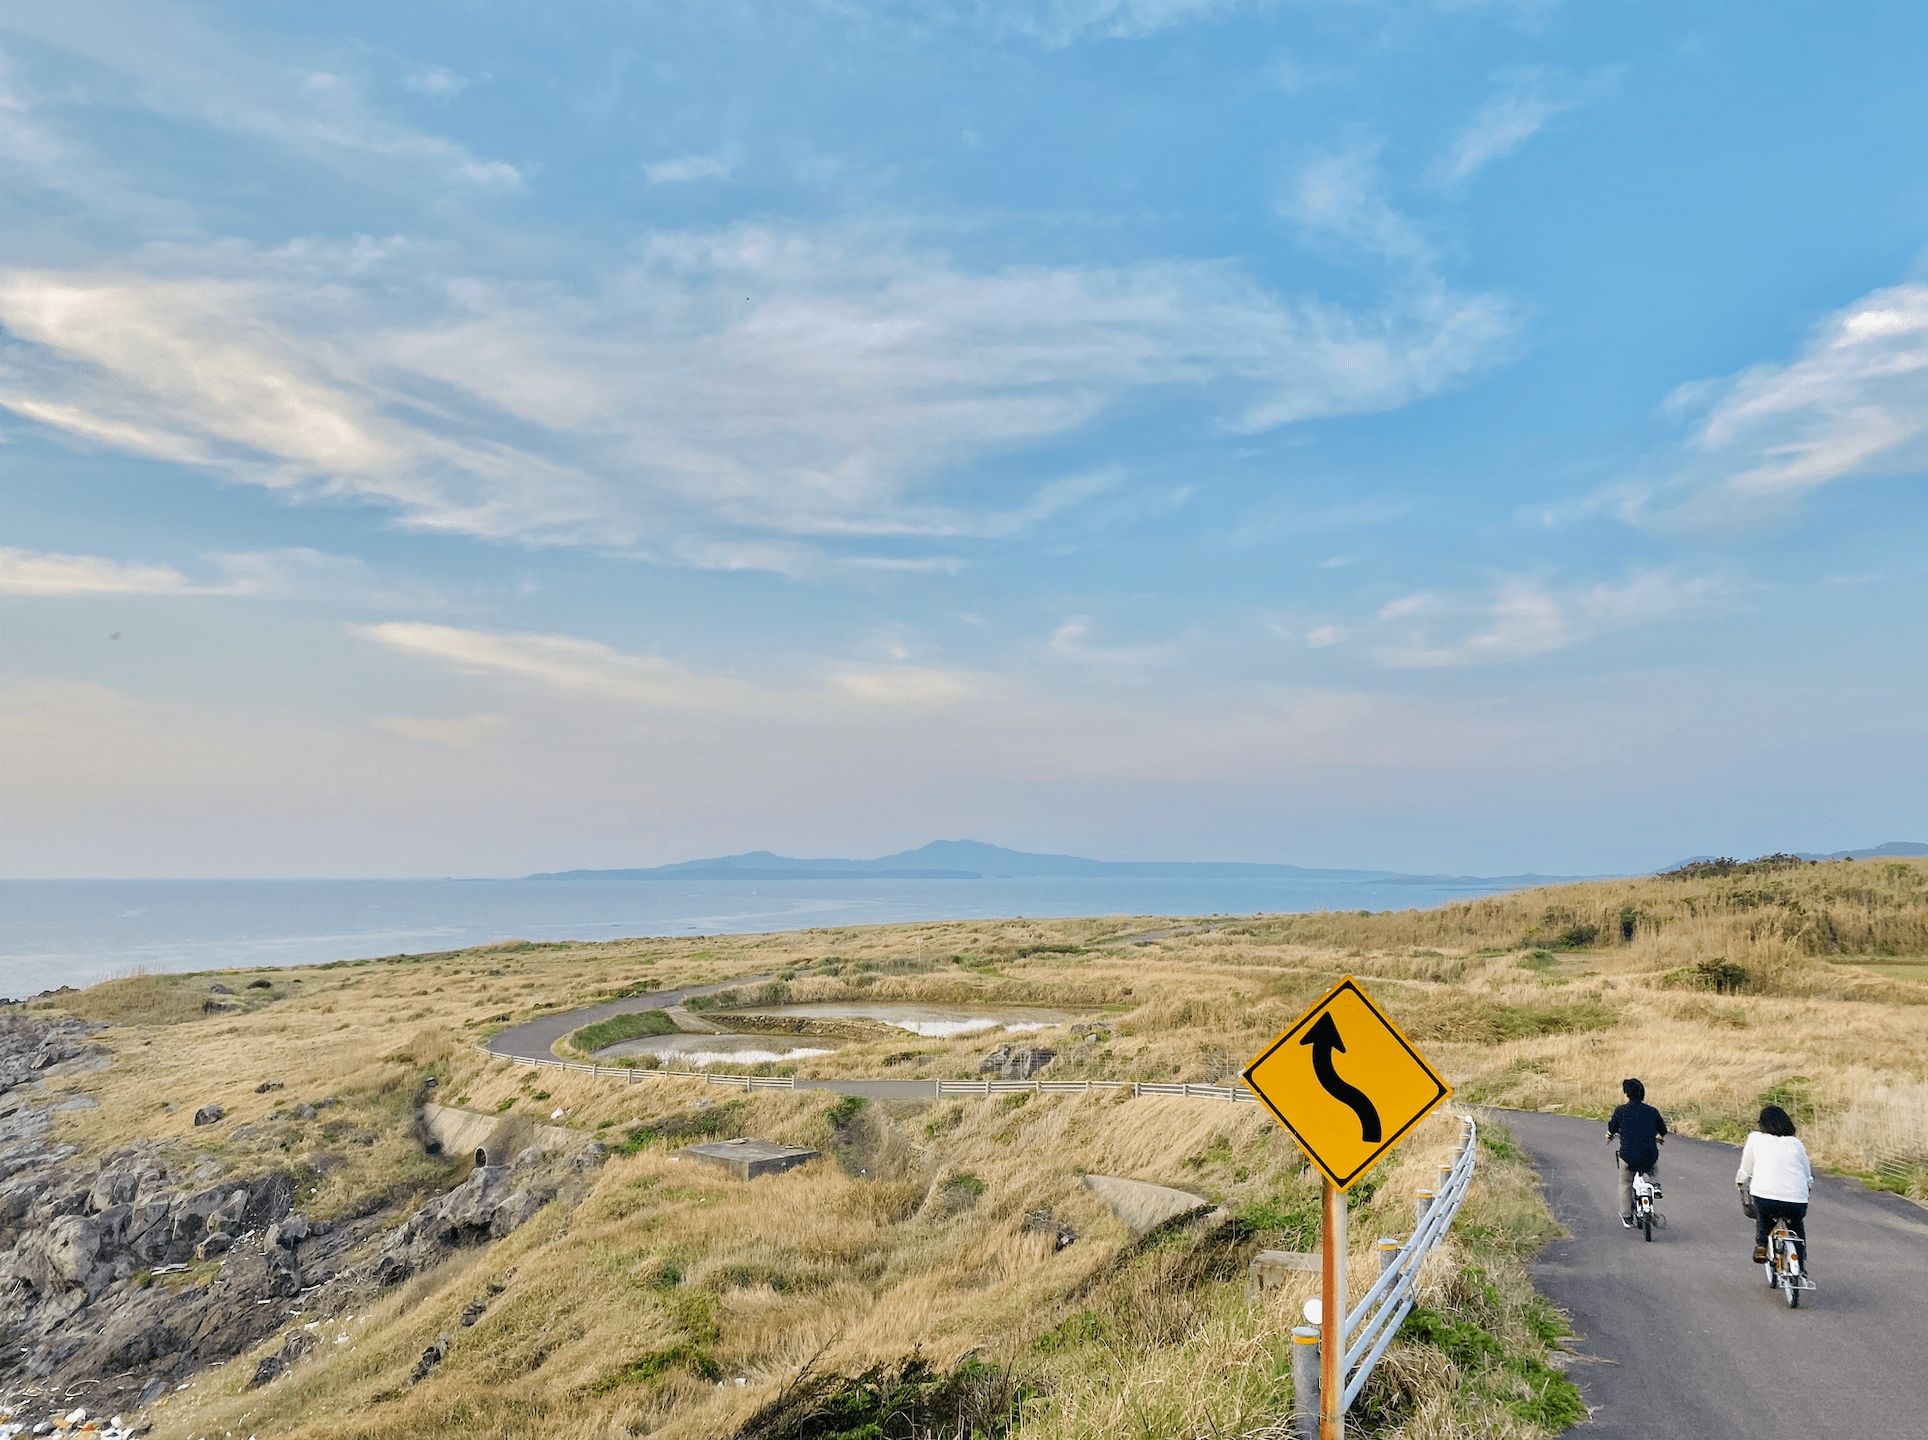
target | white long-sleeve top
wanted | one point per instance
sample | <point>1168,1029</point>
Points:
<point>1778,1167</point>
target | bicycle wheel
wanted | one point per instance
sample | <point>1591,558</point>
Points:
<point>1647,1224</point>
<point>1793,1293</point>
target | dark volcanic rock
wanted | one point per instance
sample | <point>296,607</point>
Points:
<point>135,1270</point>
<point>208,1114</point>
<point>493,1201</point>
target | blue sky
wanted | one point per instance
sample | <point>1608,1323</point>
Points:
<point>1459,436</point>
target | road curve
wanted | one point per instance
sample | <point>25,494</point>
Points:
<point>536,1039</point>
<point>1691,1340</point>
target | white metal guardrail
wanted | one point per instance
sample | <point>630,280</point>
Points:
<point>1371,1324</point>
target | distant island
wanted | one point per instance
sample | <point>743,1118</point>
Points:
<point>974,860</point>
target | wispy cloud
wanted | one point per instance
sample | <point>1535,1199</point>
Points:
<point>167,59</point>
<point>1853,403</point>
<point>1060,22</point>
<point>440,82</point>
<point>1528,98</point>
<point>27,572</point>
<point>464,732</point>
<point>1518,619</point>
<point>573,666</point>
<point>735,388</point>
<point>717,166</point>
<point>1341,194</point>
<point>292,573</point>
<point>1077,640</point>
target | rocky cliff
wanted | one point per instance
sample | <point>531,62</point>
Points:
<point>123,1274</point>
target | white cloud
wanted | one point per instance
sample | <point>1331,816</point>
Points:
<point>292,573</point>
<point>1522,619</point>
<point>467,732</point>
<point>573,666</point>
<point>27,572</point>
<point>1060,22</point>
<point>168,59</point>
<point>745,396</point>
<point>1341,194</point>
<point>440,82</point>
<point>691,167</point>
<point>1075,640</point>
<point>1530,98</point>
<point>565,663</point>
<point>1516,619</point>
<point>1855,402</point>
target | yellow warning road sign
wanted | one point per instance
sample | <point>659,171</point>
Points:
<point>1346,1083</point>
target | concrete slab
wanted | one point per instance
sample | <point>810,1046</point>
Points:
<point>747,1159</point>
<point>1142,1206</point>
<point>1271,1268</point>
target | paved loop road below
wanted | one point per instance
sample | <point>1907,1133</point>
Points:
<point>1694,1343</point>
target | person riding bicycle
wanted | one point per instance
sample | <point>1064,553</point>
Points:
<point>1642,1131</point>
<point>1774,1166</point>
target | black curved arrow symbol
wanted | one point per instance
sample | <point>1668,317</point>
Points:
<point>1323,1037</point>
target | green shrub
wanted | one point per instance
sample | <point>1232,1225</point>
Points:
<point>845,1111</point>
<point>635,1025</point>
<point>1080,1329</point>
<point>682,1356</point>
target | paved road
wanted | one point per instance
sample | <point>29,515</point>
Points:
<point>535,1039</point>
<point>1695,1343</point>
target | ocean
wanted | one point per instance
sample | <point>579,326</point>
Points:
<point>76,932</point>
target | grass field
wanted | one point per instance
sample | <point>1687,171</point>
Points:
<point>899,1273</point>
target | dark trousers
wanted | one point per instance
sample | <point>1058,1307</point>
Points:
<point>1766,1212</point>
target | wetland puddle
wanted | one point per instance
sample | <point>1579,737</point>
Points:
<point>701,1050</point>
<point>931,1020</point>
<point>777,1033</point>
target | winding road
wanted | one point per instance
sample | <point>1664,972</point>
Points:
<point>536,1039</point>
<point>1682,1337</point>
<point>1679,1337</point>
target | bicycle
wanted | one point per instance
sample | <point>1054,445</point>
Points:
<point>1785,1272</point>
<point>1646,1218</point>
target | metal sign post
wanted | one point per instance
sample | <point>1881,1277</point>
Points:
<point>1349,1087</point>
<point>1332,1317</point>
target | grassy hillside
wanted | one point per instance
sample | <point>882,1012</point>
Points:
<point>910,1269</point>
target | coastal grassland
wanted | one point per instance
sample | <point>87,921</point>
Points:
<point>639,1310</point>
<point>908,1246</point>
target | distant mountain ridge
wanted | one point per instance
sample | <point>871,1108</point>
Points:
<point>974,860</point>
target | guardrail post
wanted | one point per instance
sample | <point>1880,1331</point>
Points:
<point>1305,1382</point>
<point>1422,1202</point>
<point>1388,1253</point>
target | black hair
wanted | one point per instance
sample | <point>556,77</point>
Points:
<point>1775,1121</point>
<point>1635,1091</point>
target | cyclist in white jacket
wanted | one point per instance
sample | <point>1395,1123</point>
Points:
<point>1774,1164</point>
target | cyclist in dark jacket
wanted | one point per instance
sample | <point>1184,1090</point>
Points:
<point>1641,1130</point>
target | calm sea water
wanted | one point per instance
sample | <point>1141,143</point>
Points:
<point>74,932</point>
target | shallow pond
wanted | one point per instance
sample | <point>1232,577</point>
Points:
<point>702,1050</point>
<point>932,1020</point>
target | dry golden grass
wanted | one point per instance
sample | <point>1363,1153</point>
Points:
<point>626,1309</point>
